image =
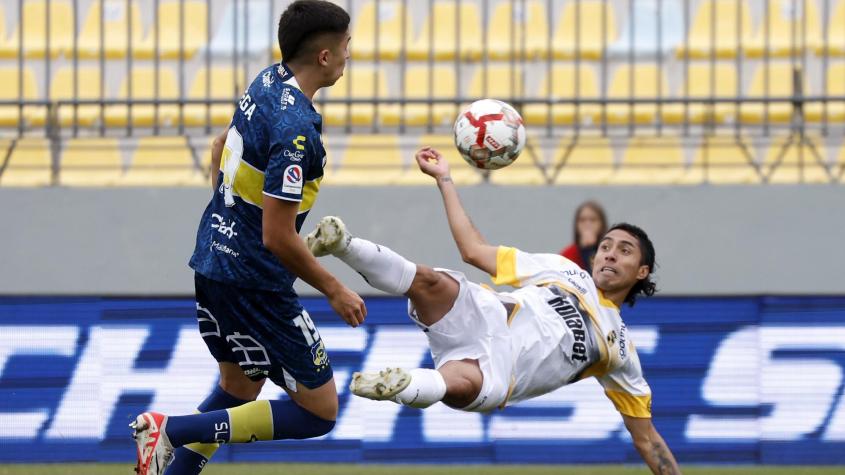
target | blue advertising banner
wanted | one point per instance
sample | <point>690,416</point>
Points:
<point>735,380</point>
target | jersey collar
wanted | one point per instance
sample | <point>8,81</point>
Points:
<point>605,302</point>
<point>286,75</point>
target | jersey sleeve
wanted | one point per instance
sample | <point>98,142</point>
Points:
<point>291,162</point>
<point>627,388</point>
<point>515,267</point>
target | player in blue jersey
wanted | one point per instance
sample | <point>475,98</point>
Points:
<point>248,254</point>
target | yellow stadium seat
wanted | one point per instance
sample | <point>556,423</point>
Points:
<point>717,30</point>
<point>723,162</point>
<point>88,88</point>
<point>835,88</point>
<point>10,114</point>
<point>143,87</point>
<point>388,22</point>
<point>117,21</point>
<point>779,85</point>
<point>369,160</point>
<point>162,161</point>
<point>588,161</point>
<point>528,169</point>
<point>568,82</point>
<point>782,20</point>
<point>419,86</point>
<point>500,82</point>
<point>35,29</point>
<point>460,171</point>
<point>224,83</point>
<point>449,36</point>
<point>508,25</point>
<point>579,32</point>
<point>650,161</point>
<point>8,46</point>
<point>836,33</point>
<point>29,163</point>
<point>91,162</point>
<point>648,82</point>
<point>798,164</point>
<point>172,43</point>
<point>360,82</point>
<point>704,81</point>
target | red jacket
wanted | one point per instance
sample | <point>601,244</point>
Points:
<point>572,253</point>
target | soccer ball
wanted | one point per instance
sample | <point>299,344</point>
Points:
<point>489,134</point>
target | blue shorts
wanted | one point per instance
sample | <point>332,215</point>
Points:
<point>250,328</point>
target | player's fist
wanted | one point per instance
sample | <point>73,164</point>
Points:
<point>432,163</point>
<point>349,305</point>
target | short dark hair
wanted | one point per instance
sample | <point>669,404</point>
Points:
<point>305,20</point>
<point>645,286</point>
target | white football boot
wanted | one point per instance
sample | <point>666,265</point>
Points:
<point>155,452</point>
<point>380,385</point>
<point>329,237</point>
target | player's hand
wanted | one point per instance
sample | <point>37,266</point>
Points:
<point>349,305</point>
<point>432,163</point>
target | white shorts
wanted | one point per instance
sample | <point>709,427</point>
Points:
<point>475,328</point>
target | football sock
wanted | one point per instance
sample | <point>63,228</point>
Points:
<point>380,266</point>
<point>257,420</point>
<point>190,459</point>
<point>426,388</point>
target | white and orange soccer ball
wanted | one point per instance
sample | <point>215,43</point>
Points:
<point>489,134</point>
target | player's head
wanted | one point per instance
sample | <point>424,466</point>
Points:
<point>315,33</point>
<point>625,260</point>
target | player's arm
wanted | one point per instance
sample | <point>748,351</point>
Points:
<point>473,247</point>
<point>216,155</point>
<point>651,446</point>
<point>280,237</point>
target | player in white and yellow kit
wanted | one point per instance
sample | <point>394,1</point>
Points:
<point>492,349</point>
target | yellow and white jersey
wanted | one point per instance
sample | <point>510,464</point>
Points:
<point>564,330</point>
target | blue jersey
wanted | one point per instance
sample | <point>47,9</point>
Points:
<point>273,148</point>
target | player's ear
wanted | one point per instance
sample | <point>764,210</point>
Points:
<point>642,272</point>
<point>323,57</point>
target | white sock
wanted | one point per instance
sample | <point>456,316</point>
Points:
<point>380,266</point>
<point>427,387</point>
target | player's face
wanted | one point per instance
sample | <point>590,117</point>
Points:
<point>337,59</point>
<point>617,262</point>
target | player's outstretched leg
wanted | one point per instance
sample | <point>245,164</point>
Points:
<point>157,435</point>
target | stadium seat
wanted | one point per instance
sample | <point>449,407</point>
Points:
<point>650,161</point>
<point>10,114</point>
<point>654,27</point>
<point>779,85</point>
<point>454,30</point>
<point>644,81</point>
<point>88,88</point>
<point>509,22</point>
<point>588,161</point>
<point>91,162</point>
<point>460,171</point>
<point>143,87</point>
<point>716,29</point>
<point>836,33</point>
<point>703,81</point>
<point>500,82</point>
<point>35,28</point>
<point>529,169</point>
<point>360,82</point>
<point>117,21</point>
<point>245,18</point>
<point>224,83</point>
<point>29,163</point>
<point>388,22</point>
<point>162,161</point>
<point>799,164</point>
<point>418,85</point>
<point>782,20</point>
<point>8,46</point>
<point>172,43</point>
<point>369,160</point>
<point>722,161</point>
<point>835,111</point>
<point>579,32</point>
<point>567,82</point>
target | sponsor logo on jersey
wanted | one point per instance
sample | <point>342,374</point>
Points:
<point>296,156</point>
<point>319,355</point>
<point>573,319</point>
<point>287,98</point>
<point>292,181</point>
<point>222,227</point>
<point>623,348</point>
<point>299,142</point>
<point>611,338</point>
<point>267,78</point>
<point>282,71</point>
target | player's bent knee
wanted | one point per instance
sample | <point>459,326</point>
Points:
<point>240,386</point>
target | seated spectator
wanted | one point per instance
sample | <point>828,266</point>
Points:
<point>590,223</point>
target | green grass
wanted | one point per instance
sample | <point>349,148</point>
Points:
<point>347,469</point>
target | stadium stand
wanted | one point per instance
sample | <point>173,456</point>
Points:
<point>655,161</point>
<point>27,162</point>
<point>7,48</point>
<point>368,160</point>
<point>771,80</point>
<point>583,161</point>
<point>719,28</point>
<point>422,82</point>
<point>162,161</point>
<point>378,30</point>
<point>179,31</point>
<point>518,30</point>
<point>787,29</point>
<point>704,80</point>
<point>118,23</point>
<point>144,84</point>
<point>723,161</point>
<point>91,162</point>
<point>835,87</point>
<point>791,161</point>
<point>13,82</point>
<point>39,39</point>
<point>584,39</point>
<point>456,32</point>
<point>654,27</point>
<point>566,82</point>
<point>835,43</point>
<point>86,85</point>
<point>222,84</point>
<point>643,81</point>
<point>500,81</point>
<point>362,82</point>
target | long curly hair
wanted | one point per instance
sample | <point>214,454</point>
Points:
<point>646,286</point>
